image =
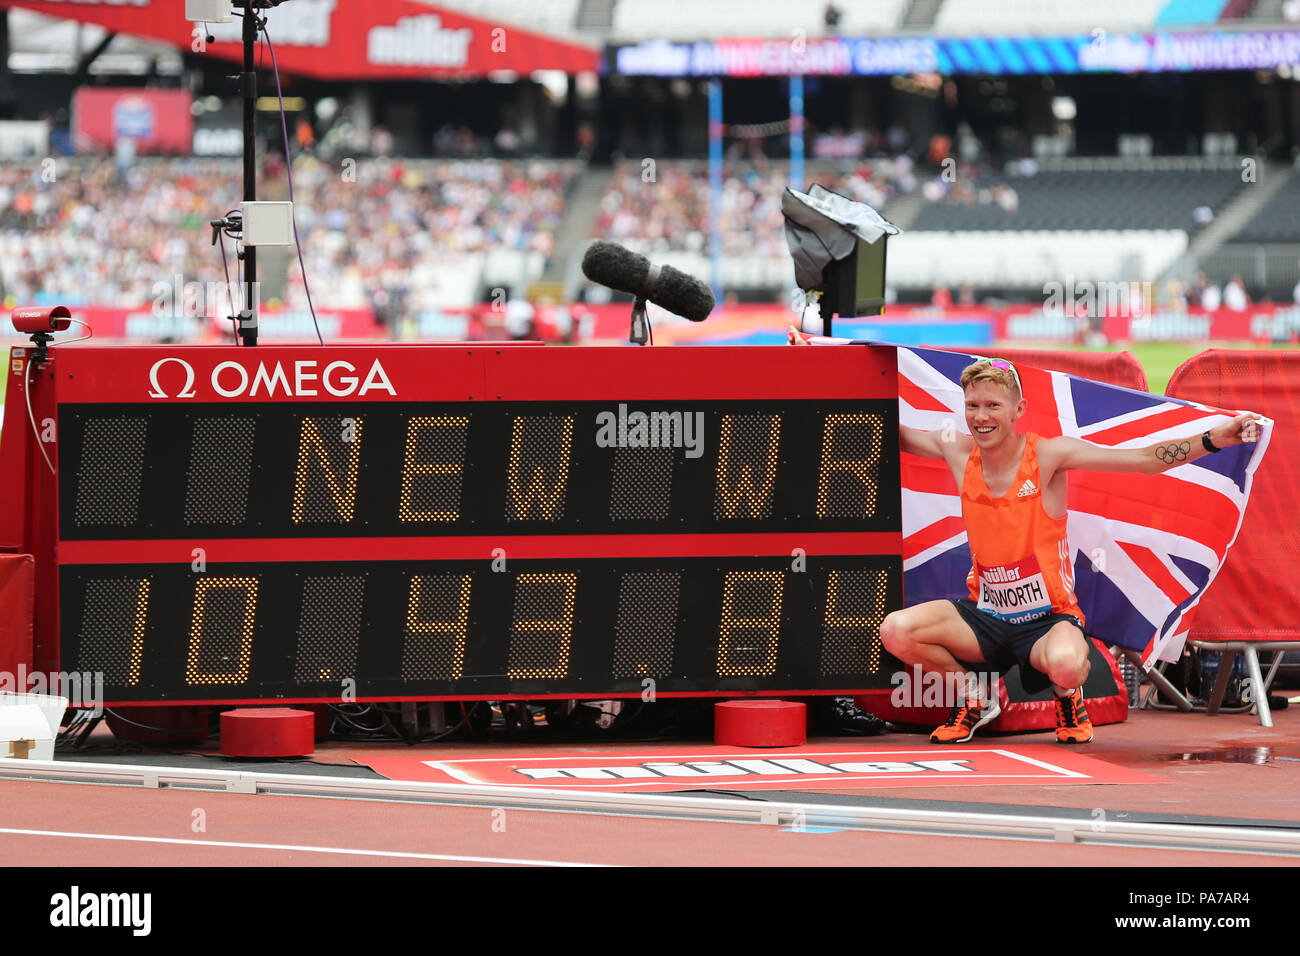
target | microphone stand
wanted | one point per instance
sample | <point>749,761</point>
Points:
<point>640,323</point>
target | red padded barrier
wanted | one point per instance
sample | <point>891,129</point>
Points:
<point>17,592</point>
<point>1257,591</point>
<point>1114,368</point>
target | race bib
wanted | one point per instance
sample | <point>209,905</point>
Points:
<point>1014,592</point>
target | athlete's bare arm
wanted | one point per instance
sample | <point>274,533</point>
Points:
<point>1063,454</point>
<point>940,445</point>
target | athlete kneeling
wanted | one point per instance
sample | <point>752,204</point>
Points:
<point>1022,607</point>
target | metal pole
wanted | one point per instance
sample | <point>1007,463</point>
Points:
<point>248,88</point>
<point>715,188</point>
<point>796,132</point>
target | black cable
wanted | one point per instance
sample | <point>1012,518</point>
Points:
<point>161,730</point>
<point>448,733</point>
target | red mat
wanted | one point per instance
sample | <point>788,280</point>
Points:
<point>811,767</point>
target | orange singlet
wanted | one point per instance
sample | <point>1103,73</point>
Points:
<point>1021,566</point>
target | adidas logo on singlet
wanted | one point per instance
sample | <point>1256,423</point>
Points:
<point>1028,489</point>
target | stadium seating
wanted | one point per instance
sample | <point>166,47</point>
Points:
<point>1105,220</point>
<point>1028,259</point>
<point>1088,199</point>
<point>962,17</point>
<point>692,20</point>
<point>1277,221</point>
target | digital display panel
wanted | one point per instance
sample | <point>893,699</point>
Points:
<point>424,523</point>
<point>458,628</point>
<point>428,469</point>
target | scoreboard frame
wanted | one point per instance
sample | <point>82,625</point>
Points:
<point>495,384</point>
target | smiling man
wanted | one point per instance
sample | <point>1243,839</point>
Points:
<point>1022,607</point>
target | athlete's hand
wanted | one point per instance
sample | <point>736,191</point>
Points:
<point>1243,428</point>
<point>792,336</point>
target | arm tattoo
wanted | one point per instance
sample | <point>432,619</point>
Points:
<point>1174,451</point>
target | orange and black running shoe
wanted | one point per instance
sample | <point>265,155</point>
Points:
<point>964,721</point>
<point>1072,723</point>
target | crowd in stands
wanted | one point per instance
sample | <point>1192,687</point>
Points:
<point>88,232</point>
<point>665,206</point>
<point>401,221</point>
<point>91,233</point>
<point>383,233</point>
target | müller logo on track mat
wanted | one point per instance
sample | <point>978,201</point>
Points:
<point>798,768</point>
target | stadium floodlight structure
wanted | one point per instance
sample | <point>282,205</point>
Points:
<point>838,246</point>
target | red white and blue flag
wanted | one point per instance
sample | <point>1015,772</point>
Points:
<point>1145,547</point>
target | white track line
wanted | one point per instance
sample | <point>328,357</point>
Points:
<point>396,854</point>
<point>1069,829</point>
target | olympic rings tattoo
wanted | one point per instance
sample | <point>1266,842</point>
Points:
<point>1174,452</point>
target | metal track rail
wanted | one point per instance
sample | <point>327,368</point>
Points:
<point>971,823</point>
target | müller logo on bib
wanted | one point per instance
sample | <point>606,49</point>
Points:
<point>1014,591</point>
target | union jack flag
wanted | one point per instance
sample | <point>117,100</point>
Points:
<point>1145,547</point>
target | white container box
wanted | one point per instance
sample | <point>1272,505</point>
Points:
<point>29,723</point>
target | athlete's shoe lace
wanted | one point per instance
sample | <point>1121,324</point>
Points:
<point>1066,715</point>
<point>958,714</point>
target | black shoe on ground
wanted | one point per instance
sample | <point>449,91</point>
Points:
<point>840,716</point>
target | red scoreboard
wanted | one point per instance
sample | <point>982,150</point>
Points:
<point>451,522</point>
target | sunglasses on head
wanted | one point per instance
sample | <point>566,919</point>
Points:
<point>1003,363</point>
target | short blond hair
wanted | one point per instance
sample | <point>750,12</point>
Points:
<point>982,371</point>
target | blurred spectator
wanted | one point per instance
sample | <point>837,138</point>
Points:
<point>897,139</point>
<point>507,141</point>
<point>586,140</point>
<point>941,298</point>
<point>305,135</point>
<point>381,141</point>
<point>1175,298</point>
<point>1234,295</point>
<point>1211,298</point>
<point>940,149</point>
<point>831,15</point>
<point>519,319</point>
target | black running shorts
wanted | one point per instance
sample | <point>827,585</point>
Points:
<point>1004,645</point>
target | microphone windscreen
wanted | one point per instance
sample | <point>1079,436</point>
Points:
<point>683,295</point>
<point>611,265</point>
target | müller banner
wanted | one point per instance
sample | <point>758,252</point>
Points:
<point>377,39</point>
